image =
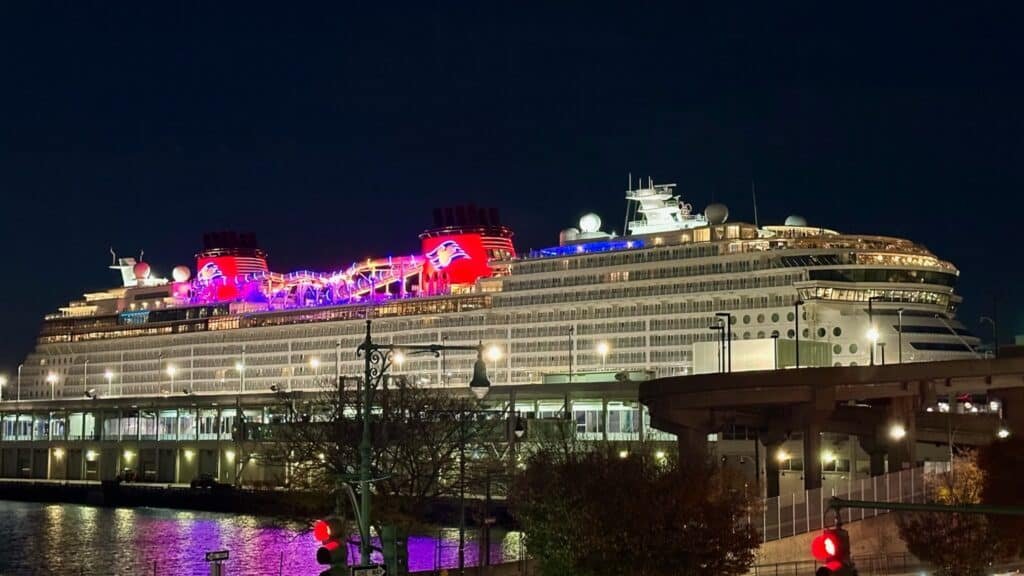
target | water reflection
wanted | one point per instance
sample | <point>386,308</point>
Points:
<point>82,540</point>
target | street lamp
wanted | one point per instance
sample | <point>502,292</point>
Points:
<point>775,347</point>
<point>377,358</point>
<point>240,368</point>
<point>720,328</point>
<point>603,349</point>
<point>51,379</point>
<point>872,329</point>
<point>899,314</point>
<point>1003,433</point>
<point>108,375</point>
<point>727,319</point>
<point>796,328</point>
<point>171,371</point>
<point>897,431</point>
<point>314,363</point>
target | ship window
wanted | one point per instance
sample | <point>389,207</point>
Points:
<point>821,332</point>
<point>775,317</point>
<point>837,331</point>
<point>853,348</point>
<point>837,349</point>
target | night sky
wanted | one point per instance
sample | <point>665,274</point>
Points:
<point>332,132</point>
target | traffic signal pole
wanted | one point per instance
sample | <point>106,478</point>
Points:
<point>838,504</point>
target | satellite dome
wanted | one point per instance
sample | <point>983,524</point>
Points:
<point>716,213</point>
<point>141,271</point>
<point>590,223</point>
<point>794,220</point>
<point>181,273</point>
<point>568,235</point>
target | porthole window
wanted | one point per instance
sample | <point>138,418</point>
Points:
<point>821,332</point>
<point>789,316</point>
<point>760,318</point>
<point>853,348</point>
<point>853,363</point>
<point>775,317</point>
<point>837,331</point>
<point>760,334</point>
<point>746,335</point>
<point>790,333</point>
<point>837,349</point>
<point>806,332</point>
<point>746,318</point>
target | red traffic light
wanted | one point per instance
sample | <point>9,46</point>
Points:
<point>826,546</point>
<point>330,533</point>
<point>321,530</point>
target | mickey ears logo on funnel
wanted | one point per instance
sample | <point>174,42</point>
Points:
<point>445,253</point>
<point>208,273</point>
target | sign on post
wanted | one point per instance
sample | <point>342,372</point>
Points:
<point>369,571</point>
<point>218,556</point>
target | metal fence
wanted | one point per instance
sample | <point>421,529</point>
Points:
<point>801,512</point>
<point>866,566</point>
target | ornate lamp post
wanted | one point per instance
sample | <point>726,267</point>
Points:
<point>377,359</point>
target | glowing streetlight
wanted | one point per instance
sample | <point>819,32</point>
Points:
<point>108,375</point>
<point>828,457</point>
<point>782,455</point>
<point>1003,433</point>
<point>493,353</point>
<point>603,348</point>
<point>314,363</point>
<point>398,358</point>
<point>897,432</point>
<point>51,379</point>
<point>171,370</point>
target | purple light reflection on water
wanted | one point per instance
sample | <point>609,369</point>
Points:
<point>83,540</point>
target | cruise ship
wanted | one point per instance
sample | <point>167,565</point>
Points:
<point>646,301</point>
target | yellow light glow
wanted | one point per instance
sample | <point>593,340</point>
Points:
<point>782,455</point>
<point>828,457</point>
<point>660,454</point>
<point>189,454</point>
<point>314,363</point>
<point>603,348</point>
<point>239,366</point>
<point>58,453</point>
<point>230,455</point>
<point>90,455</point>
<point>873,334</point>
<point>398,358</point>
<point>171,370</point>
<point>623,453</point>
<point>128,454</point>
<point>51,377</point>
<point>897,432</point>
<point>1003,433</point>
<point>108,374</point>
<point>494,353</point>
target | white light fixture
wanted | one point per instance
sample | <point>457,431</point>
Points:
<point>494,353</point>
<point>873,334</point>
<point>239,366</point>
<point>1003,433</point>
<point>171,370</point>
<point>897,432</point>
<point>398,358</point>
<point>828,457</point>
<point>623,453</point>
<point>782,455</point>
<point>993,405</point>
<point>314,363</point>
<point>660,454</point>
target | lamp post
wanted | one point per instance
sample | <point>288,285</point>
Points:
<point>51,379</point>
<point>872,330</point>
<point>444,362</point>
<point>727,318</point>
<point>108,375</point>
<point>20,366</point>
<point>995,334</point>
<point>240,367</point>
<point>718,327</point>
<point>899,314</point>
<point>171,371</point>
<point>796,328</point>
<point>603,349</point>
<point>377,358</point>
<point>572,330</point>
<point>881,348</point>
<point>775,347</point>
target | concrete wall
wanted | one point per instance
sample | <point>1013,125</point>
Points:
<point>871,537</point>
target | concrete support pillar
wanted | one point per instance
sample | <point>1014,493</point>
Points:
<point>771,468</point>
<point>901,451</point>
<point>692,443</point>
<point>1013,409</point>
<point>812,454</point>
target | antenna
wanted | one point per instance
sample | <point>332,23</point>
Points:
<point>141,254</point>
<point>753,194</point>
<point>113,257</point>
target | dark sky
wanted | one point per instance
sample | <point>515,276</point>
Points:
<point>332,132</point>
